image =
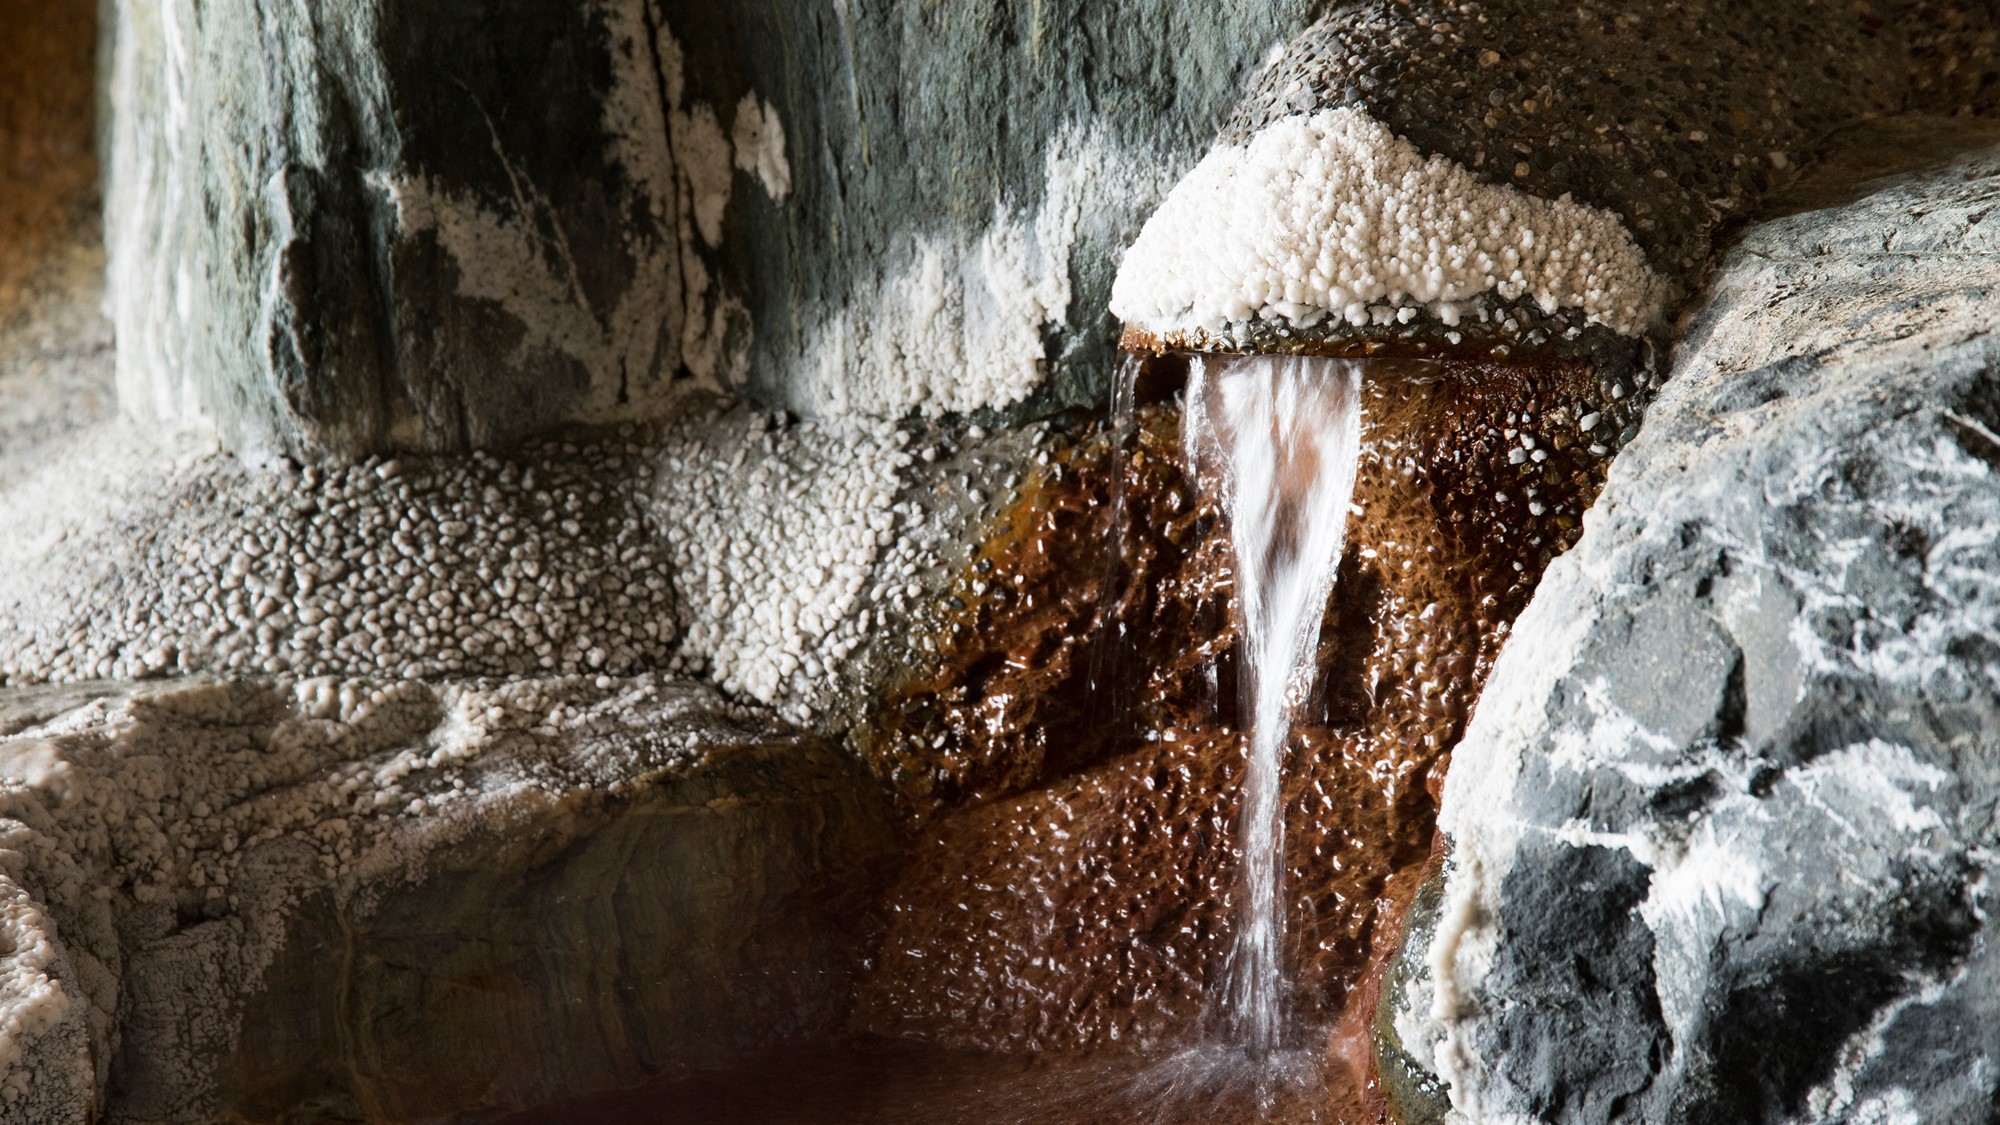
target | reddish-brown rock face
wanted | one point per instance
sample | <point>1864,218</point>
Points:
<point>1074,759</point>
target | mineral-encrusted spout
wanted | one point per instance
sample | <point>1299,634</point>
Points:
<point>1513,174</point>
<point>1329,221</point>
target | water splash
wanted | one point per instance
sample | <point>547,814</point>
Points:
<point>1280,437</point>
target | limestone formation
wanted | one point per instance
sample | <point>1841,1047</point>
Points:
<point>411,226</point>
<point>1519,172</point>
<point>781,559</point>
<point>1721,830</point>
<point>240,898</point>
<point>603,563</point>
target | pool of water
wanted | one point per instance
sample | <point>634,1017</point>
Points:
<point>891,1083</point>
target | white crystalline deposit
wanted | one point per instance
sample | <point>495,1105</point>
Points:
<point>773,532</point>
<point>408,568</point>
<point>232,800</point>
<point>136,549</point>
<point>31,1002</point>
<point>759,137</point>
<point>46,1072</point>
<point>136,552</point>
<point>955,323</point>
<point>1330,214</point>
<point>799,548</point>
<point>570,560</point>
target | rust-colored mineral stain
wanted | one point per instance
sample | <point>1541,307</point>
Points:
<point>1075,756</point>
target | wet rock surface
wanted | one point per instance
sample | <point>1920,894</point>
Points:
<point>1721,831</point>
<point>413,226</point>
<point>459,226</point>
<point>965,178</point>
<point>435,227</point>
<point>859,211</point>
<point>1074,760</point>
<point>1538,180</point>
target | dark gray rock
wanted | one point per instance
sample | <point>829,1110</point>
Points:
<point>1662,124</point>
<point>309,210</point>
<point>950,132</point>
<point>1721,829</point>
<point>718,911</point>
<point>386,225</point>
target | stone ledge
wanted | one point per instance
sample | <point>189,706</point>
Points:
<point>526,891</point>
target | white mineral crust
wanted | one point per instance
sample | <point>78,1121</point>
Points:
<point>1328,214</point>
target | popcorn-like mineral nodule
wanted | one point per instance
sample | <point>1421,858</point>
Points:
<point>1329,213</point>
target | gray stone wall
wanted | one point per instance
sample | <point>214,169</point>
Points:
<point>376,225</point>
<point>355,226</point>
<point>995,146</point>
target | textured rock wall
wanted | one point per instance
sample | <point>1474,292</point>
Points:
<point>364,225</point>
<point>391,225</point>
<point>1520,176</point>
<point>379,225</point>
<point>965,177</point>
<point>361,899</point>
<point>1673,117</point>
<point>717,912</point>
<point>1722,826</point>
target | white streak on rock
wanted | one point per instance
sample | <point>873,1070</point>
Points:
<point>1876,776</point>
<point>715,325</point>
<point>702,153</point>
<point>760,146</point>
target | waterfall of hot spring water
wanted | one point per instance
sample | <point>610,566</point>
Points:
<point>1279,437</point>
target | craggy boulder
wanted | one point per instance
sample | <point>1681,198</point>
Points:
<point>1721,830</point>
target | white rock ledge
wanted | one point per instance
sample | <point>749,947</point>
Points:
<point>1326,215</point>
<point>230,899</point>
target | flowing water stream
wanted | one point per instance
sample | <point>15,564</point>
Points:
<point>1279,437</point>
<point>1273,442</point>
